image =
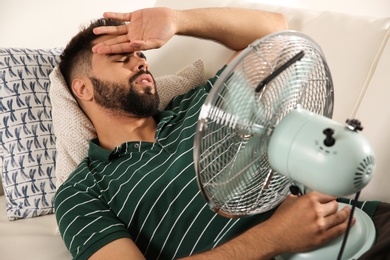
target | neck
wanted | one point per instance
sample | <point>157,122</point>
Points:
<point>114,130</point>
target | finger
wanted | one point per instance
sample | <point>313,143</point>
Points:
<point>124,47</point>
<point>329,208</point>
<point>146,44</point>
<point>111,42</point>
<point>339,229</point>
<point>116,48</point>
<point>323,198</point>
<point>118,16</point>
<point>113,30</point>
<point>339,218</point>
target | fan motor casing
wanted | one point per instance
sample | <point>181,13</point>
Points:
<point>297,150</point>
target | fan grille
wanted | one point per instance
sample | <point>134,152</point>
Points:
<point>236,122</point>
<point>364,172</point>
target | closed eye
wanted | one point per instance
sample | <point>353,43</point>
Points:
<point>141,55</point>
<point>123,59</point>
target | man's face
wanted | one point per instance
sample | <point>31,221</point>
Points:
<point>127,99</point>
<point>123,84</point>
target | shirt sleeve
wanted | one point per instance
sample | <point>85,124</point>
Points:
<point>85,222</point>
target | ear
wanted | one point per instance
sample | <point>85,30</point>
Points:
<point>82,89</point>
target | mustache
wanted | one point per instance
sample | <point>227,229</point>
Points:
<point>139,73</point>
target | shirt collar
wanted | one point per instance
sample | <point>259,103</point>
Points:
<point>96,152</point>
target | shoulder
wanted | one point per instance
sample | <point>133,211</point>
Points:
<point>80,206</point>
<point>211,81</point>
<point>196,95</point>
<point>80,180</point>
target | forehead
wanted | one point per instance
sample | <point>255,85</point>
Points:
<point>103,38</point>
<point>96,56</point>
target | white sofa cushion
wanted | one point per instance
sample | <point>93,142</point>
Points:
<point>31,238</point>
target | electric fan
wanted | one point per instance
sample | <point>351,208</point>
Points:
<point>265,127</point>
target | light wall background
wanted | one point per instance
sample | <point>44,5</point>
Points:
<point>51,23</point>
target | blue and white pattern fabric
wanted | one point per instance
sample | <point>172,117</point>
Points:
<point>27,141</point>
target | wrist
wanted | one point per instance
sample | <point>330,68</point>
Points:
<point>183,21</point>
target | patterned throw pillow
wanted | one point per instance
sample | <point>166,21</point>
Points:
<point>27,141</point>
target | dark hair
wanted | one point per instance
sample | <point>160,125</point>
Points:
<point>77,54</point>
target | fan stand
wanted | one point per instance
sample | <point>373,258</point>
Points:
<point>360,239</point>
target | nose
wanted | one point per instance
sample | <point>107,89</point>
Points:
<point>140,63</point>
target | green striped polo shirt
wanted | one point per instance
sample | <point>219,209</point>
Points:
<point>147,192</point>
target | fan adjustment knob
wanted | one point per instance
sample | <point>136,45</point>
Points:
<point>354,125</point>
<point>329,140</point>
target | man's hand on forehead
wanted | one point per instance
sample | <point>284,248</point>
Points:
<point>146,29</point>
<point>115,45</point>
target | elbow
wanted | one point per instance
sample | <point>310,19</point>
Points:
<point>280,23</point>
<point>284,22</point>
<point>276,22</point>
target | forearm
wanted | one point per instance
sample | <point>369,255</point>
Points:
<point>299,224</point>
<point>152,27</point>
<point>255,243</point>
<point>233,27</point>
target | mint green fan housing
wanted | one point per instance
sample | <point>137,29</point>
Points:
<point>266,125</point>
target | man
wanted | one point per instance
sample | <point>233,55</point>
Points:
<point>135,196</point>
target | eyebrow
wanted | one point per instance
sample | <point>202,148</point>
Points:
<point>118,54</point>
<point>110,55</point>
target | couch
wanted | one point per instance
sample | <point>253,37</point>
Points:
<point>357,49</point>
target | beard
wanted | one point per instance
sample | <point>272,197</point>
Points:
<point>122,99</point>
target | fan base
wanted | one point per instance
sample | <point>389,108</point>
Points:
<point>361,238</point>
